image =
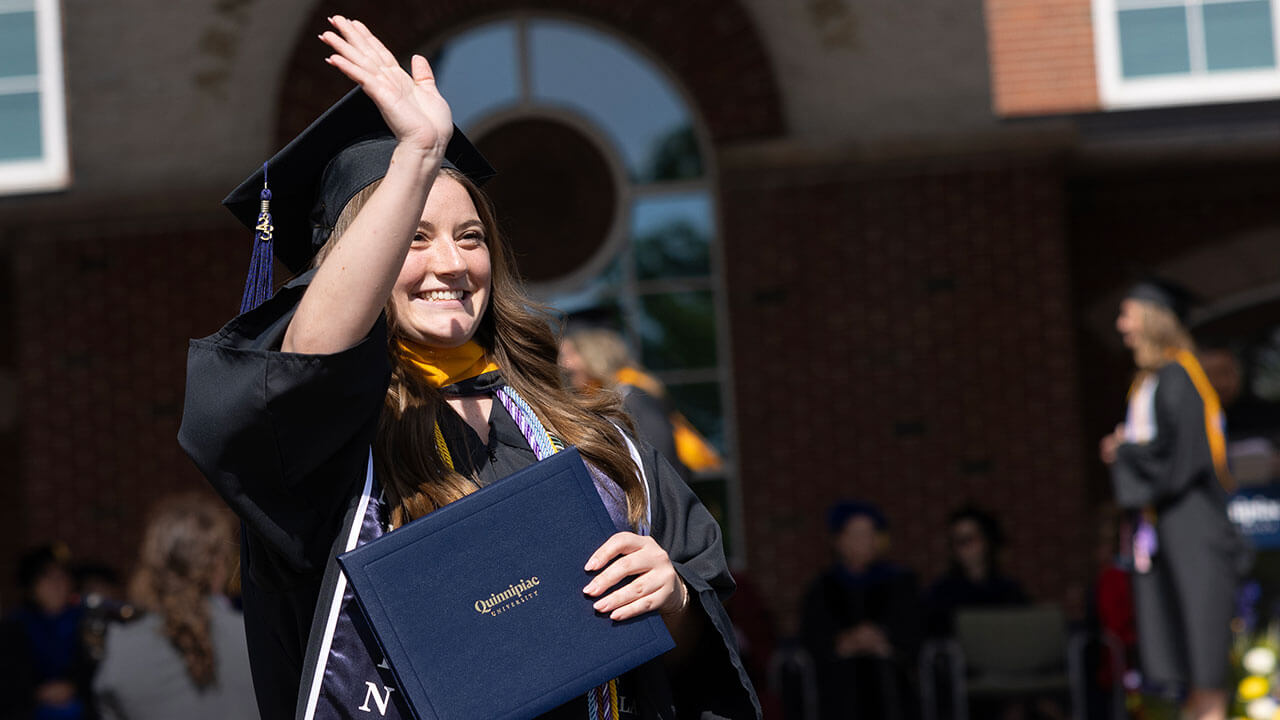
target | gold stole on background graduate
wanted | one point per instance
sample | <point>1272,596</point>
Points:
<point>1212,417</point>
<point>692,448</point>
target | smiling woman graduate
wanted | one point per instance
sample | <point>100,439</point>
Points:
<point>403,369</point>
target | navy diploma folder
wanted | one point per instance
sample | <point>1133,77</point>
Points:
<point>478,606</point>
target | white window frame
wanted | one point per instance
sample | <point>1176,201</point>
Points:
<point>52,171</point>
<point>1116,92</point>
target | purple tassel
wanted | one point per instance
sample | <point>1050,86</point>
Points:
<point>257,287</point>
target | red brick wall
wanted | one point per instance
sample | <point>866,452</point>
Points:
<point>904,336</point>
<point>12,512</point>
<point>101,327</point>
<point>1042,57</point>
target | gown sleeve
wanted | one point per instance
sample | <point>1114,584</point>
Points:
<point>653,425</point>
<point>1177,458</point>
<point>283,436</point>
<point>685,529</point>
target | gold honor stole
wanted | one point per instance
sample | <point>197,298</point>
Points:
<point>446,366</point>
<point>1212,417</point>
<point>693,449</point>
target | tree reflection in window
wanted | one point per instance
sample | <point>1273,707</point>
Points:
<point>671,234</point>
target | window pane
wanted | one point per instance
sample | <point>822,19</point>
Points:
<point>18,44</point>
<point>593,74</point>
<point>672,235</point>
<point>1154,42</point>
<point>477,72</point>
<point>1238,35</point>
<point>20,127</point>
<point>678,330</point>
<point>599,291</point>
<point>700,404</point>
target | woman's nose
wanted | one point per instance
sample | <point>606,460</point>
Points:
<point>446,258</point>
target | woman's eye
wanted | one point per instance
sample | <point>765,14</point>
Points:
<point>419,239</point>
<point>473,237</point>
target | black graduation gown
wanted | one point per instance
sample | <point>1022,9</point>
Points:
<point>1184,604</point>
<point>652,419</point>
<point>284,439</point>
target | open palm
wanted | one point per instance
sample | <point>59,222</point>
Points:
<point>411,105</point>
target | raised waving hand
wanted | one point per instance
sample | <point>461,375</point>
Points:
<point>351,287</point>
<point>410,104</point>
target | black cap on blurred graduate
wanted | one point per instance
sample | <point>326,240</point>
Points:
<point>294,200</point>
<point>1164,293</point>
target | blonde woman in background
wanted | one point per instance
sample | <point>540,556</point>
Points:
<point>594,358</point>
<point>186,658</point>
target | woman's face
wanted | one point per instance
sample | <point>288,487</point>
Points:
<point>858,543</point>
<point>968,544</point>
<point>443,287</point>
<point>574,367</point>
<point>1129,322</point>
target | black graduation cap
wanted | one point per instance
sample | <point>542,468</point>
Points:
<point>315,175</point>
<point>1165,293</point>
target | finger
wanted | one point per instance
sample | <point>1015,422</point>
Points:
<point>370,51</point>
<point>341,47</point>
<point>372,48</point>
<point>353,34</point>
<point>623,606</point>
<point>376,48</point>
<point>618,571</point>
<point>357,74</point>
<point>421,70</point>
<point>617,544</point>
<point>629,565</point>
<point>639,587</point>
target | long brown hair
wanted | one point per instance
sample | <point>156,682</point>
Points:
<point>516,333</point>
<point>186,554</point>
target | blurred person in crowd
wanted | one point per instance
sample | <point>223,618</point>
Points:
<point>598,358</point>
<point>186,657</point>
<point>1222,368</point>
<point>860,620</point>
<point>1111,612</point>
<point>1248,416</point>
<point>1168,465</point>
<point>44,669</point>
<point>102,599</point>
<point>974,578</point>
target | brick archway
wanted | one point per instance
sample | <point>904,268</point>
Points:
<point>712,46</point>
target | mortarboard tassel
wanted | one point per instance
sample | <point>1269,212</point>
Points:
<point>257,287</point>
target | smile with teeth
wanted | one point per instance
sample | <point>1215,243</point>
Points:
<point>441,295</point>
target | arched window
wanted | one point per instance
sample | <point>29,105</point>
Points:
<point>606,191</point>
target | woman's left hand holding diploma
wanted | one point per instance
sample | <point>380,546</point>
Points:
<point>654,583</point>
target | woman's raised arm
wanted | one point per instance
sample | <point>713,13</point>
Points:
<point>352,285</point>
